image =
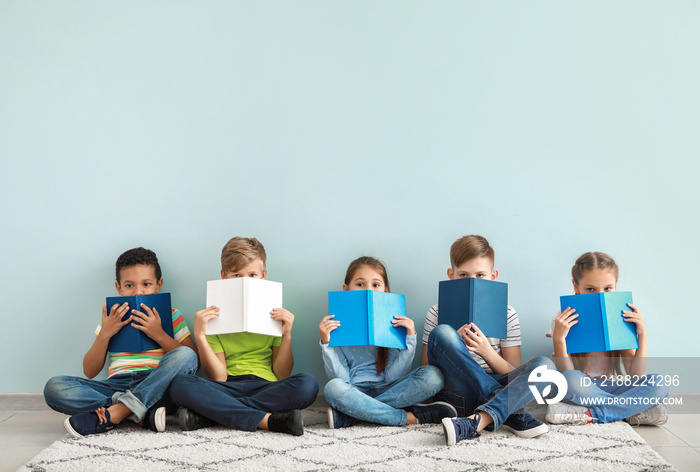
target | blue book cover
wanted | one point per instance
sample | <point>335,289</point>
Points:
<point>130,339</point>
<point>365,318</point>
<point>600,326</point>
<point>471,300</point>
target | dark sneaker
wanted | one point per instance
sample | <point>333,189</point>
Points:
<point>154,419</point>
<point>289,423</point>
<point>92,422</point>
<point>190,420</point>
<point>338,419</point>
<point>457,429</point>
<point>432,412</point>
<point>525,425</point>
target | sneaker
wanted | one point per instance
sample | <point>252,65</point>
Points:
<point>289,423</point>
<point>654,416</point>
<point>189,420</point>
<point>433,412</point>
<point>524,425</point>
<point>566,413</point>
<point>457,429</point>
<point>92,422</point>
<point>154,419</point>
<point>338,419</point>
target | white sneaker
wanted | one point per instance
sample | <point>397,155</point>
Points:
<point>654,416</point>
<point>566,413</point>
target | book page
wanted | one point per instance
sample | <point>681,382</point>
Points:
<point>227,294</point>
<point>261,296</point>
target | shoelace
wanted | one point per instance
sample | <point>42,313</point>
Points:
<point>466,428</point>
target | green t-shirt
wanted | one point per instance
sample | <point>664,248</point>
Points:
<point>246,353</point>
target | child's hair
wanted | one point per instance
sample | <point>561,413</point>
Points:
<point>376,264</point>
<point>470,247</point>
<point>587,262</point>
<point>137,256</point>
<point>593,260</point>
<point>241,251</point>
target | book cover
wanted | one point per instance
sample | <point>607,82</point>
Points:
<point>365,318</point>
<point>130,339</point>
<point>244,305</point>
<point>600,326</point>
<point>471,300</point>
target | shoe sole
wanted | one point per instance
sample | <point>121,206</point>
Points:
<point>528,433</point>
<point>449,429</point>
<point>69,428</point>
<point>297,423</point>
<point>331,424</point>
<point>159,419</point>
<point>452,409</point>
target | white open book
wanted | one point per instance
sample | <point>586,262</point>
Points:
<point>244,306</point>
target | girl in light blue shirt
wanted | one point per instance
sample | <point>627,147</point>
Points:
<point>375,384</point>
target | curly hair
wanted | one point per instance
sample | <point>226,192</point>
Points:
<point>138,256</point>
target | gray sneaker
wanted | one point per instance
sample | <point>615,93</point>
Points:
<point>654,416</point>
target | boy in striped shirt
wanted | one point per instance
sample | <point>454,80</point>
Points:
<point>137,381</point>
<point>484,377</point>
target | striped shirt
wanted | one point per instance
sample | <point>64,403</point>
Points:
<point>127,362</point>
<point>512,339</point>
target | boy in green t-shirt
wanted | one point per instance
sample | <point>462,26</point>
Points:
<point>251,386</point>
<point>137,381</point>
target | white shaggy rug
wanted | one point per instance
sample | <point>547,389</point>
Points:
<point>612,447</point>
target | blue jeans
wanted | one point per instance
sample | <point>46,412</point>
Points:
<point>381,402</point>
<point>625,401</point>
<point>469,388</point>
<point>138,390</point>
<point>243,400</point>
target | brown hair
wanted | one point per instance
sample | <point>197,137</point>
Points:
<point>593,260</point>
<point>241,251</point>
<point>470,247</point>
<point>587,262</point>
<point>375,264</point>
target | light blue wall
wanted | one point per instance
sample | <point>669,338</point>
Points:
<point>335,129</point>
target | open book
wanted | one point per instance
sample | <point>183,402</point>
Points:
<point>471,300</point>
<point>244,306</point>
<point>365,318</point>
<point>600,326</point>
<point>130,339</point>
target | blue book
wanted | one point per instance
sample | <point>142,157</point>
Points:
<point>600,326</point>
<point>130,339</point>
<point>365,318</point>
<point>471,300</point>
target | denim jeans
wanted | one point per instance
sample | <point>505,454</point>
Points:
<point>243,400</point>
<point>380,402</point>
<point>138,390</point>
<point>625,401</point>
<point>469,388</point>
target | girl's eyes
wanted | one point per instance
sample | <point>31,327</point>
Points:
<point>377,285</point>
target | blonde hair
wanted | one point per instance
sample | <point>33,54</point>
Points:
<point>585,263</point>
<point>241,251</point>
<point>470,247</point>
<point>375,264</point>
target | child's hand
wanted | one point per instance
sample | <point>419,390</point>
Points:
<point>148,321</point>
<point>286,317</point>
<point>563,323</point>
<point>201,318</point>
<point>326,326</point>
<point>635,317</point>
<point>406,322</point>
<point>112,323</point>
<point>475,340</point>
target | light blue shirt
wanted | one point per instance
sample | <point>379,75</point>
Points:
<point>358,364</point>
